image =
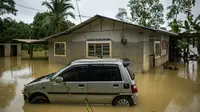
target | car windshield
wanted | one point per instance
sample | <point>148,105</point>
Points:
<point>132,75</point>
<point>51,75</point>
<point>59,71</point>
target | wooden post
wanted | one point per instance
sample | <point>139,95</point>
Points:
<point>11,52</point>
<point>46,49</point>
<point>31,51</point>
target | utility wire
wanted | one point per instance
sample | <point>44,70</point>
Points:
<point>78,10</point>
<point>39,10</point>
<point>29,8</point>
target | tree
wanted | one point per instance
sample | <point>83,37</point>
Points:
<point>147,12</point>
<point>12,29</point>
<point>189,26</point>
<point>38,20</point>
<point>196,26</point>
<point>59,12</point>
<point>7,6</point>
<point>175,26</point>
<point>179,6</point>
<point>122,14</point>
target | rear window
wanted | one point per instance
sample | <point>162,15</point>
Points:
<point>101,72</point>
<point>132,75</point>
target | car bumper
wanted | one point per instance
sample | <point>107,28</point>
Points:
<point>135,98</point>
<point>25,96</point>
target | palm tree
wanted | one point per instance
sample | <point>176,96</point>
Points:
<point>57,21</point>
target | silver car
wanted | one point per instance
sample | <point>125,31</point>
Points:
<point>94,81</point>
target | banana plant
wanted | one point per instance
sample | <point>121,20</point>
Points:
<point>188,24</point>
<point>196,24</point>
<point>175,26</point>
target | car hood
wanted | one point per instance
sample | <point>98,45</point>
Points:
<point>42,78</point>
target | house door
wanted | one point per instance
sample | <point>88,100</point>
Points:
<point>2,51</point>
<point>151,54</point>
<point>14,50</point>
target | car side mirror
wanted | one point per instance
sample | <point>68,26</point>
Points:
<point>58,79</point>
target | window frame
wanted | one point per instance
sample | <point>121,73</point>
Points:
<point>98,42</point>
<point>55,48</point>
<point>157,42</point>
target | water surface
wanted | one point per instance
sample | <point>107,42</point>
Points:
<point>159,90</point>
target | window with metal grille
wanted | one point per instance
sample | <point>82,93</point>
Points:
<point>98,49</point>
<point>59,48</point>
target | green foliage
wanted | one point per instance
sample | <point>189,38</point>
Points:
<point>190,25</point>
<point>10,29</point>
<point>36,47</point>
<point>7,7</point>
<point>56,21</point>
<point>179,6</point>
<point>122,14</point>
<point>196,24</point>
<point>182,43</point>
<point>175,26</point>
<point>38,20</point>
<point>147,12</point>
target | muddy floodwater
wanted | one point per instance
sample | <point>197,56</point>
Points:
<point>159,90</point>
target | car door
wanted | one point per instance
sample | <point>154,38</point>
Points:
<point>105,82</point>
<point>74,86</point>
<point>78,86</point>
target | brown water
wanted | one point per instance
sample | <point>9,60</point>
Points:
<point>159,91</point>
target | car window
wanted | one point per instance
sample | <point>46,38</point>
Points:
<point>104,73</point>
<point>81,73</point>
<point>132,75</point>
<point>75,74</point>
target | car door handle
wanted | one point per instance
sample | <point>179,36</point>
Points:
<point>115,86</point>
<point>81,86</point>
<point>55,84</point>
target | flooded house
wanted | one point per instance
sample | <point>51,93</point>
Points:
<point>8,49</point>
<point>105,37</point>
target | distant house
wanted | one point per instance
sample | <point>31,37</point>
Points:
<point>110,38</point>
<point>8,49</point>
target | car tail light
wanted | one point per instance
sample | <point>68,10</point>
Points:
<point>134,88</point>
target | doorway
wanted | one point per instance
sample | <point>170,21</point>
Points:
<point>2,51</point>
<point>14,50</point>
<point>151,54</point>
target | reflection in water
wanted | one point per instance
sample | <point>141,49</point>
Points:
<point>7,94</point>
<point>159,90</point>
<point>10,76</point>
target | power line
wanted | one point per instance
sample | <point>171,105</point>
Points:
<point>39,10</point>
<point>29,8</point>
<point>78,10</point>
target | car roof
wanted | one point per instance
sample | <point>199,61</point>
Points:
<point>97,61</point>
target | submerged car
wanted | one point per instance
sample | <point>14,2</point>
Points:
<point>97,81</point>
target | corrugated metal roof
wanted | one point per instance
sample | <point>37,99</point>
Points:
<point>30,40</point>
<point>99,16</point>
